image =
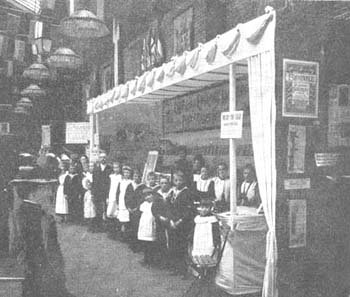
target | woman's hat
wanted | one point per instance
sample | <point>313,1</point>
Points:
<point>125,167</point>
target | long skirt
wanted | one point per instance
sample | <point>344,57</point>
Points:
<point>61,201</point>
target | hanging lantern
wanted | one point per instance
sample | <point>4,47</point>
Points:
<point>26,103</point>
<point>37,71</point>
<point>33,91</point>
<point>65,58</point>
<point>83,24</point>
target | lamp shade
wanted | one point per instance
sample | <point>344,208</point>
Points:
<point>37,71</point>
<point>83,24</point>
<point>33,91</point>
<point>21,110</point>
<point>25,103</point>
<point>65,58</point>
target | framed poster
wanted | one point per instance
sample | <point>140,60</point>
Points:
<point>183,31</point>
<point>300,89</point>
<point>77,132</point>
<point>150,165</point>
<point>107,77</point>
<point>297,223</point>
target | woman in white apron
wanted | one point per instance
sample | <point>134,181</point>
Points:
<point>61,208</point>
<point>125,185</point>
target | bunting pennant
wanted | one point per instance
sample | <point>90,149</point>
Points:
<point>142,83</point>
<point>181,64</point>
<point>19,52</point>
<point>150,79</point>
<point>230,50</point>
<point>160,75</point>
<point>117,93</point>
<point>210,58</point>
<point>133,87</point>
<point>171,70</point>
<point>194,59</point>
<point>259,32</point>
<point>125,91</point>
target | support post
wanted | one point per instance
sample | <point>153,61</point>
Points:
<point>233,164</point>
<point>97,133</point>
<point>116,37</point>
<point>91,120</point>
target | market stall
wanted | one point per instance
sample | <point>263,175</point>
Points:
<point>246,49</point>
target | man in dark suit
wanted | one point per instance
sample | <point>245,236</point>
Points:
<point>100,188</point>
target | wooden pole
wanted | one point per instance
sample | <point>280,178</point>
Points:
<point>91,120</point>
<point>116,37</point>
<point>233,164</point>
<point>97,133</point>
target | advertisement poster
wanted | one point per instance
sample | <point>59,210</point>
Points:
<point>77,132</point>
<point>300,89</point>
<point>297,223</point>
<point>296,149</point>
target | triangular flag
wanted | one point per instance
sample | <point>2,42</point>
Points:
<point>181,64</point>
<point>230,50</point>
<point>125,90</point>
<point>150,78</point>
<point>194,58</point>
<point>212,53</point>
<point>171,70</point>
<point>160,75</point>
<point>259,32</point>
<point>133,87</point>
<point>142,83</point>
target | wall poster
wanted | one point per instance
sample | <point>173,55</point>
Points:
<point>300,89</point>
<point>296,149</point>
<point>297,223</point>
<point>183,32</point>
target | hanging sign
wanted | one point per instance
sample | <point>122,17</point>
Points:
<point>231,124</point>
<point>297,184</point>
<point>77,132</point>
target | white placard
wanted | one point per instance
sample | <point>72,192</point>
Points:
<point>231,124</point>
<point>77,132</point>
<point>45,135</point>
<point>297,223</point>
<point>326,159</point>
<point>297,184</point>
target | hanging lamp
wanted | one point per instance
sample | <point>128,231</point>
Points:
<point>33,91</point>
<point>37,71</point>
<point>65,58</point>
<point>83,24</point>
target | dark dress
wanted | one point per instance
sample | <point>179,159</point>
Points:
<point>202,194</point>
<point>180,207</point>
<point>133,200</point>
<point>72,187</point>
<point>100,190</point>
<point>186,168</point>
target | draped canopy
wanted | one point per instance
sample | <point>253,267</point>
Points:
<point>194,70</point>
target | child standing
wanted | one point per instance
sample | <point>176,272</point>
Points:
<point>61,199</point>
<point>115,178</point>
<point>147,228</point>
<point>89,206</point>
<point>152,181</point>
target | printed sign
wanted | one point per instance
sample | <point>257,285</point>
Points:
<point>231,124</point>
<point>300,89</point>
<point>326,159</point>
<point>297,223</point>
<point>296,149</point>
<point>77,132</point>
<point>297,184</point>
<point>45,135</point>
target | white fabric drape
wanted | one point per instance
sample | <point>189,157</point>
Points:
<point>261,69</point>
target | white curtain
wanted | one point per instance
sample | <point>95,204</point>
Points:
<point>261,69</point>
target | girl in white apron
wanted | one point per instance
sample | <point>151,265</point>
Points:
<point>89,206</point>
<point>115,178</point>
<point>147,228</point>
